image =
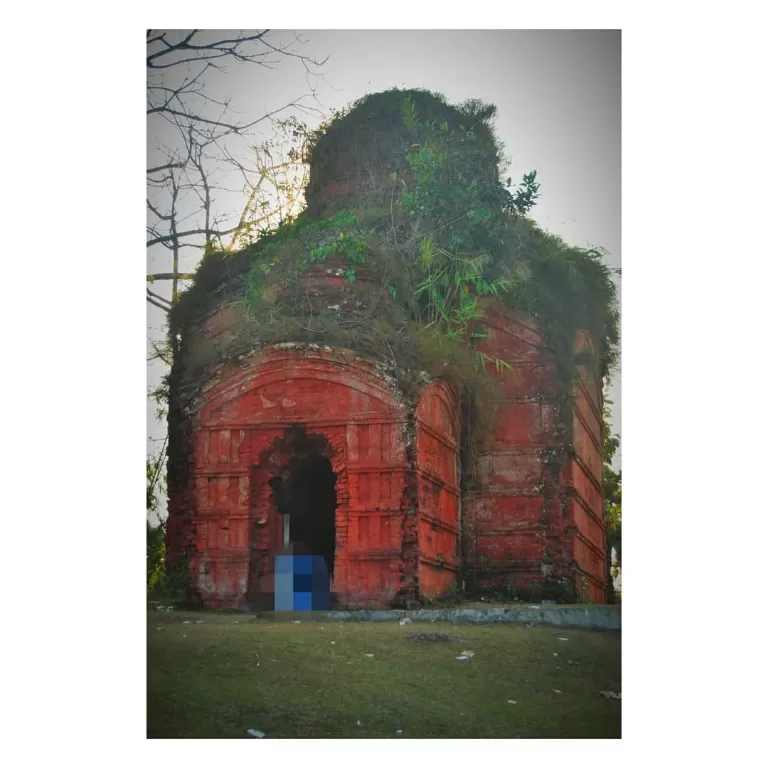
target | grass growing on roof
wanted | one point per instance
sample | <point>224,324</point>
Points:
<point>436,229</point>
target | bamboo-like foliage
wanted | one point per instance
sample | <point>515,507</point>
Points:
<point>439,231</point>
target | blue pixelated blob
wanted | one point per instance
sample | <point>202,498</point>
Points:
<point>321,585</point>
<point>302,582</point>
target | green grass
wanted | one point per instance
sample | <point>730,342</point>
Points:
<point>218,679</point>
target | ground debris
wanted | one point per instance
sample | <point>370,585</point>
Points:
<point>610,694</point>
<point>255,733</point>
<point>404,621</point>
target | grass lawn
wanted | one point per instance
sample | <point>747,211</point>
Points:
<point>219,678</point>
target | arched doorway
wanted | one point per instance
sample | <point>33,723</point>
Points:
<point>293,509</point>
<point>305,495</point>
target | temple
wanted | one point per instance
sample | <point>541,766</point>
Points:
<point>299,441</point>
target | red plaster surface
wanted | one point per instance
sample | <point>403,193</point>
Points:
<point>437,453</point>
<point>403,528</point>
<point>239,443</point>
<point>535,512</point>
<point>402,525</point>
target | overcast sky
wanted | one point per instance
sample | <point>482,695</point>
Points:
<point>558,95</point>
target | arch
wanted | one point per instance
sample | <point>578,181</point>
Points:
<point>244,430</point>
<point>304,456</point>
<point>261,378</point>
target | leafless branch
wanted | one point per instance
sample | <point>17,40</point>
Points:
<point>158,304</point>
<point>158,297</point>
<point>196,134</point>
<point>165,167</point>
<point>171,236</point>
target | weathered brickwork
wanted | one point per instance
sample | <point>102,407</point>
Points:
<point>533,518</point>
<point>404,523</point>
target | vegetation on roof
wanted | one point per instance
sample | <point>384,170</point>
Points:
<point>431,232</point>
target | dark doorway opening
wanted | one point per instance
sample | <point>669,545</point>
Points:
<point>305,495</point>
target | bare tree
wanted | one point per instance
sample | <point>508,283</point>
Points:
<point>212,182</point>
<point>199,147</point>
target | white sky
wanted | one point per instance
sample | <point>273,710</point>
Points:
<point>558,95</point>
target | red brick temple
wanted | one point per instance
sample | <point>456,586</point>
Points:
<point>313,448</point>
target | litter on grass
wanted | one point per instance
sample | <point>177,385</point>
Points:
<point>255,733</point>
<point>611,694</point>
